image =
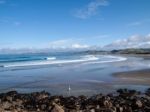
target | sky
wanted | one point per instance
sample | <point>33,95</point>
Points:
<point>74,24</point>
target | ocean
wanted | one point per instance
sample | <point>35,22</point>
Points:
<point>64,72</point>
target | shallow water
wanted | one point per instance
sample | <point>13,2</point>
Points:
<point>85,74</point>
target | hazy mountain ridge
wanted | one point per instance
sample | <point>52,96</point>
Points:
<point>121,51</point>
<point>84,51</point>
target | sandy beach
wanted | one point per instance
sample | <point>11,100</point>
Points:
<point>139,77</point>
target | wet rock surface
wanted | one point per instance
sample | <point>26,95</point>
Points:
<point>123,100</point>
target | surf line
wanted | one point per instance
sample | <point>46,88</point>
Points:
<point>53,61</point>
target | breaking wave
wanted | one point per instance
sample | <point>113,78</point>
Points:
<point>82,59</point>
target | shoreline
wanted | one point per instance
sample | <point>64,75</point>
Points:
<point>92,86</point>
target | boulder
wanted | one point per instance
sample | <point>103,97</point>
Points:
<point>57,108</point>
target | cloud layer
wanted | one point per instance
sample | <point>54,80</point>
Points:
<point>67,44</point>
<point>135,41</point>
<point>90,9</point>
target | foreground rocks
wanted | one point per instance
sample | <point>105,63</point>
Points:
<point>123,101</point>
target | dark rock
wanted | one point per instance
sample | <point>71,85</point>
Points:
<point>125,101</point>
<point>148,92</point>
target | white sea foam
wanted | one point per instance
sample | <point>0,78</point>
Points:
<point>113,59</point>
<point>90,57</point>
<point>52,60</point>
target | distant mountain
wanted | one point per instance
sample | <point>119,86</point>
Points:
<point>132,51</point>
<point>83,51</point>
<point>121,51</point>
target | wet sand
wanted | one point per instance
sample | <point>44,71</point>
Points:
<point>139,77</point>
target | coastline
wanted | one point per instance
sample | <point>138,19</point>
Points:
<point>89,80</point>
<point>123,100</point>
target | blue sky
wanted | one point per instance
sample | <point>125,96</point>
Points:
<point>73,23</point>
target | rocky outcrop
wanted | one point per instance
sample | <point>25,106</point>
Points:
<point>123,101</point>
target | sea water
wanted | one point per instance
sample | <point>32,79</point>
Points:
<point>56,72</point>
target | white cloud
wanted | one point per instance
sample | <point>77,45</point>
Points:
<point>67,44</point>
<point>90,9</point>
<point>79,46</point>
<point>135,41</point>
<point>60,43</point>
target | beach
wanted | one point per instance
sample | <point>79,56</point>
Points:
<point>84,74</point>
<point>77,83</point>
<point>74,56</point>
<point>139,77</point>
